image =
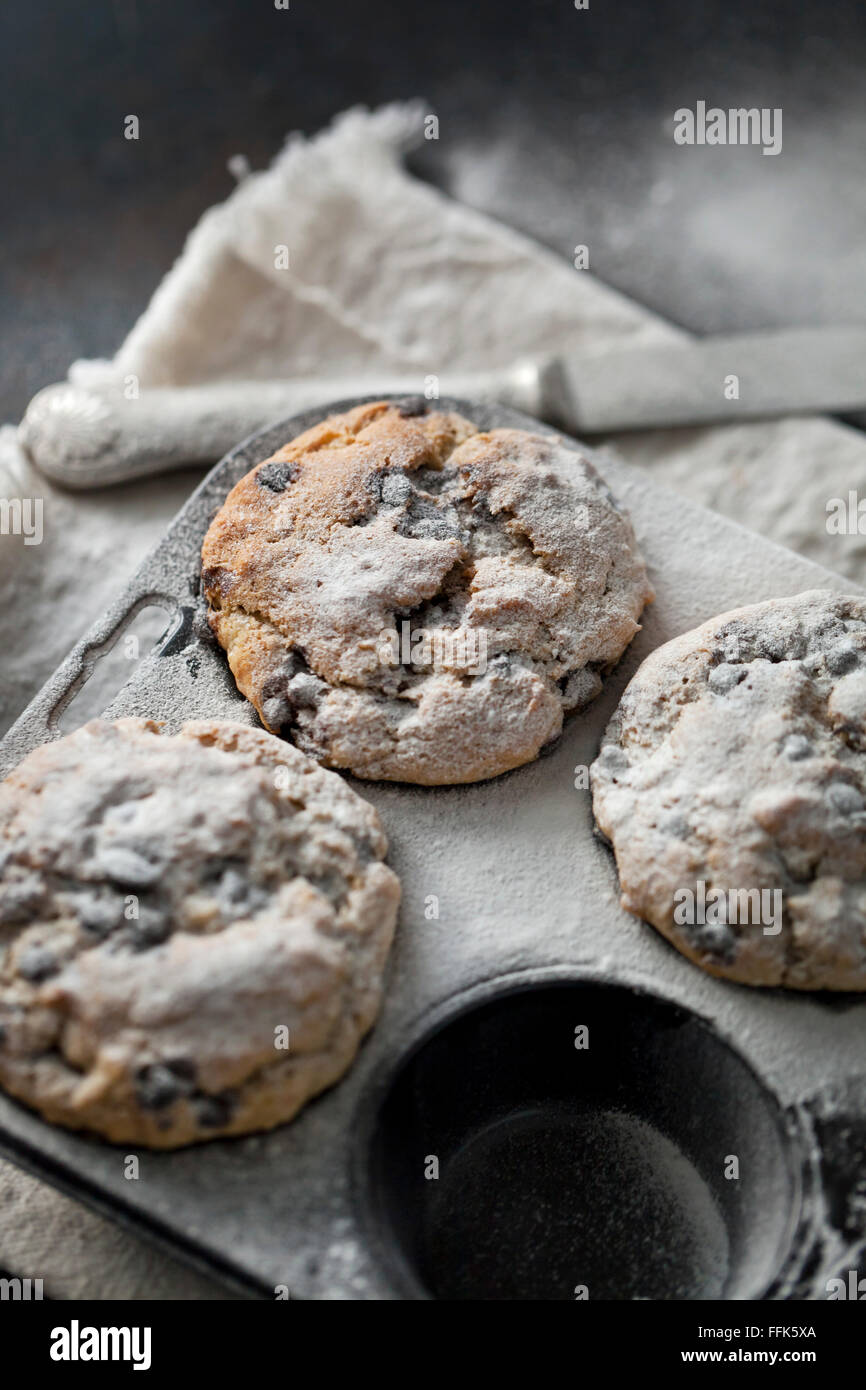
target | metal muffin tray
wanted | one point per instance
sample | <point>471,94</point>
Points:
<point>553,1103</point>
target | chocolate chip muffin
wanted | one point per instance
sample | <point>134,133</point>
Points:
<point>193,930</point>
<point>731,783</point>
<point>409,598</point>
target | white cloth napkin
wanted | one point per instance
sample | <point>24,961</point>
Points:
<point>384,272</point>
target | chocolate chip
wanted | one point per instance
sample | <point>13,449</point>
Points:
<point>433,480</point>
<point>730,648</point>
<point>127,866</point>
<point>98,915</point>
<point>330,883</point>
<point>770,646</point>
<point>162,1083</point>
<point>274,686</point>
<point>233,887</point>
<point>304,690</point>
<point>37,963</point>
<point>780,646</point>
<point>423,520</point>
<point>394,489</point>
<point>20,899</point>
<point>277,476</point>
<point>579,688</point>
<point>427,528</point>
<point>277,711</point>
<point>481,513</point>
<point>842,657</point>
<point>289,689</point>
<point>715,939</point>
<point>150,928</point>
<point>677,826</point>
<point>291,665</point>
<point>238,897</point>
<point>724,678</point>
<point>155,1087</point>
<point>411,406</point>
<point>613,759</point>
<point>844,798</point>
<point>213,1112</point>
<point>366,851</point>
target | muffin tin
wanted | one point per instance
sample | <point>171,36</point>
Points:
<point>554,1104</point>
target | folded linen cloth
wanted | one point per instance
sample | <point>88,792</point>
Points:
<point>336,261</point>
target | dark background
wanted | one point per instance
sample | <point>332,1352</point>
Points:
<point>555,120</point>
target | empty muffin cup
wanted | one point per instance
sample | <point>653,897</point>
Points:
<point>573,1140</point>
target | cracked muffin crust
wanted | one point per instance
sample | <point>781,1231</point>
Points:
<point>394,514</point>
<point>737,758</point>
<point>167,906</point>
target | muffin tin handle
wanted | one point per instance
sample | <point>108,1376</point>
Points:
<point>40,721</point>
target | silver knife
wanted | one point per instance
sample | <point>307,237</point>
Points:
<point>86,437</point>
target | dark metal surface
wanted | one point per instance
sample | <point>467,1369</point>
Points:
<point>618,1139</point>
<point>529,902</point>
<point>556,120</point>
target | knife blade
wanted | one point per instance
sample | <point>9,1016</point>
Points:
<point>709,381</point>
